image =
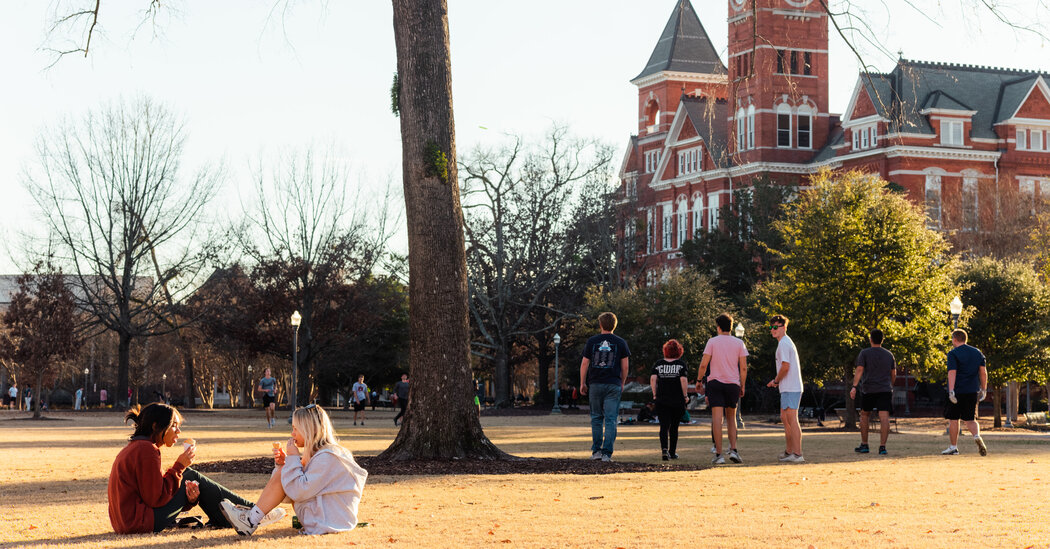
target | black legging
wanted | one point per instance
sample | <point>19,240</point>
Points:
<point>670,416</point>
<point>403,403</point>
<point>212,493</point>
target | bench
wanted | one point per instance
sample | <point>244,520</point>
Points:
<point>873,419</point>
<point>1035,418</point>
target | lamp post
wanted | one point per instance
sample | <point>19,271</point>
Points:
<point>739,333</point>
<point>557,386</point>
<point>956,307</point>
<point>295,320</point>
<point>83,397</point>
<point>163,385</point>
<point>250,397</point>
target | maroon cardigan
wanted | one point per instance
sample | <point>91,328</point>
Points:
<point>137,484</point>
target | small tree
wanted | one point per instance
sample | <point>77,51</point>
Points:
<point>40,327</point>
<point>857,256</point>
<point>1009,322</point>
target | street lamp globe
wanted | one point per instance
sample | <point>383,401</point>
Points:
<point>557,339</point>
<point>739,331</point>
<point>296,319</point>
<point>87,371</point>
<point>956,306</point>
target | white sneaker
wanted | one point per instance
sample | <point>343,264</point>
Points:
<point>783,456</point>
<point>596,456</point>
<point>981,447</point>
<point>714,450</point>
<point>719,460</point>
<point>606,458</point>
<point>795,458</point>
<point>273,516</point>
<point>735,457</point>
<point>951,451</point>
<point>238,517</point>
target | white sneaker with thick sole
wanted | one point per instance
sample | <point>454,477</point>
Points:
<point>795,458</point>
<point>275,515</point>
<point>606,458</point>
<point>719,460</point>
<point>237,516</point>
<point>950,451</point>
<point>735,457</point>
<point>596,456</point>
<point>980,445</point>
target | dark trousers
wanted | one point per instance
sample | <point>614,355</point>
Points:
<point>212,493</point>
<point>670,417</point>
<point>403,404</point>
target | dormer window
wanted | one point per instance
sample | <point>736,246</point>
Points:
<point>952,133</point>
<point>865,137</point>
<point>652,160</point>
<point>689,161</point>
<point>1032,139</point>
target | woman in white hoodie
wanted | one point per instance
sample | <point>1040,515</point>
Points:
<point>322,482</point>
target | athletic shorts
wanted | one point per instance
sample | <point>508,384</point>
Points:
<point>965,410</point>
<point>722,395</point>
<point>790,399</point>
<point>871,401</point>
<point>267,400</point>
<point>359,406</point>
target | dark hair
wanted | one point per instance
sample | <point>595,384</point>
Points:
<point>780,319</point>
<point>724,322</point>
<point>876,336</point>
<point>607,321</point>
<point>959,335</point>
<point>673,349</point>
<point>152,421</point>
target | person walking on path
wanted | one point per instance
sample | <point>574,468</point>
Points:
<point>12,393</point>
<point>603,372</point>
<point>359,392</point>
<point>727,357</point>
<point>967,386</point>
<point>789,381</point>
<point>268,388</point>
<point>670,385</point>
<point>401,392</point>
<point>28,397</point>
<point>79,397</point>
<point>874,376</point>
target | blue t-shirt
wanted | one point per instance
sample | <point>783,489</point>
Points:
<point>605,352</point>
<point>967,362</point>
<point>268,385</point>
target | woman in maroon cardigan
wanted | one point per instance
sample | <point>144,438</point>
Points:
<point>145,498</point>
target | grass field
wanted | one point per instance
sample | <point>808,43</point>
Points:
<point>53,489</point>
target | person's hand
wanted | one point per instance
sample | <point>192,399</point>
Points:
<point>981,395</point>
<point>951,397</point>
<point>772,383</point>
<point>741,391</point>
<point>699,387</point>
<point>278,456</point>
<point>292,449</point>
<point>853,393</point>
<point>193,491</point>
<point>187,455</point>
<point>583,389</point>
<point>687,399</point>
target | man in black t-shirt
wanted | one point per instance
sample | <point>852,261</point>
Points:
<point>875,373</point>
<point>670,385</point>
<point>603,371</point>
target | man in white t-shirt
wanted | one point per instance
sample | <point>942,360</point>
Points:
<point>727,356</point>
<point>12,393</point>
<point>789,381</point>
<point>359,394</point>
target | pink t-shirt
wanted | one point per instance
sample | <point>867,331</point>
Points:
<point>725,351</point>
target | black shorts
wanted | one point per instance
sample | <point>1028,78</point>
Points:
<point>882,401</point>
<point>965,409</point>
<point>359,406</point>
<point>267,400</point>
<point>722,395</point>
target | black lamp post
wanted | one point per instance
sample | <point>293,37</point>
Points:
<point>296,320</point>
<point>557,385</point>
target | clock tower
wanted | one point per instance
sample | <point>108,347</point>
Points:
<point>778,80</point>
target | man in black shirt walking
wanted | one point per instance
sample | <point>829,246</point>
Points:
<point>875,373</point>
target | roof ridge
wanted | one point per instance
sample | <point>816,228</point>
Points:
<point>966,66</point>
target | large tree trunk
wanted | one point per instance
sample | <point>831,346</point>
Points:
<point>38,397</point>
<point>441,421</point>
<point>120,399</point>
<point>997,403</point>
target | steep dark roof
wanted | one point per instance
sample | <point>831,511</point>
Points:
<point>995,93</point>
<point>684,46</point>
<point>709,120</point>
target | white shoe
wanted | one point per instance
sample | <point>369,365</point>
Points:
<point>783,456</point>
<point>719,460</point>
<point>735,457</point>
<point>238,517</point>
<point>714,450</point>
<point>951,451</point>
<point>273,516</point>
<point>606,458</point>
<point>596,456</point>
<point>980,445</point>
<point>795,458</point>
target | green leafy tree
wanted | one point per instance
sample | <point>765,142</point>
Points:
<point>738,254</point>
<point>857,256</point>
<point>683,307</point>
<point>1010,306</point>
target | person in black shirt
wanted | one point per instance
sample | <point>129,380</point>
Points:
<point>671,393</point>
<point>646,415</point>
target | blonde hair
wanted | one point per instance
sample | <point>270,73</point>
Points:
<point>312,421</point>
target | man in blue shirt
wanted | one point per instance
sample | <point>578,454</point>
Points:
<point>967,386</point>
<point>603,372</point>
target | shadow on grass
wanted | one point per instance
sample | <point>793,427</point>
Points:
<point>172,539</point>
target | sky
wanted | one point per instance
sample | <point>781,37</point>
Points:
<point>251,79</point>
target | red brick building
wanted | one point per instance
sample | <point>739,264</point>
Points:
<point>964,141</point>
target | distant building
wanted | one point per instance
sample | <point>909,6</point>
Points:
<point>964,142</point>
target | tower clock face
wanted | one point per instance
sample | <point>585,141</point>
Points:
<point>738,4</point>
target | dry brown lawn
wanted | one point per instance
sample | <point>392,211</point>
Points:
<point>53,490</point>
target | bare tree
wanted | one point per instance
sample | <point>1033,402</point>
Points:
<point>111,190</point>
<point>519,202</point>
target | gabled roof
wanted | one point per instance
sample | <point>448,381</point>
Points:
<point>913,86</point>
<point>708,118</point>
<point>684,46</point>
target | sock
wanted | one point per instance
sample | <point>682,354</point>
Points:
<point>256,515</point>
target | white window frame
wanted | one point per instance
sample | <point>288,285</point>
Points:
<point>784,110</point>
<point>1036,141</point>
<point>712,212</point>
<point>649,231</point>
<point>952,133</point>
<point>698,212</point>
<point>683,221</point>
<point>970,197</point>
<point>741,135</point>
<point>874,130</point>
<point>751,126</point>
<point>667,229</point>
<point>804,112</point>
<point>1022,139</point>
<point>934,210</point>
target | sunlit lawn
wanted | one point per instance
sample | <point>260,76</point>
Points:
<point>53,489</point>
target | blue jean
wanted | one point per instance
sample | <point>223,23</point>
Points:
<point>605,409</point>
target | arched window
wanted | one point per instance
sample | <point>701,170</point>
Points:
<point>652,116</point>
<point>970,210</point>
<point>698,212</point>
<point>804,136</point>
<point>649,231</point>
<point>741,131</point>
<point>683,220</point>
<point>667,229</point>
<point>933,198</point>
<point>783,125</point>
<point>751,126</point>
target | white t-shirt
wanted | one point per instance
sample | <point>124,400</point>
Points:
<point>786,352</point>
<point>12,392</point>
<point>360,392</point>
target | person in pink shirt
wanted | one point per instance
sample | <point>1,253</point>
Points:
<point>727,357</point>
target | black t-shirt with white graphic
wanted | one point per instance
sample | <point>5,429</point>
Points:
<point>669,374</point>
<point>605,352</point>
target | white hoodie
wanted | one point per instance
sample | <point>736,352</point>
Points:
<point>326,492</point>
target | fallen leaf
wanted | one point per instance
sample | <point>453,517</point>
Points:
<point>32,527</point>
<point>504,541</point>
<point>556,499</point>
<point>874,504</point>
<point>603,497</point>
<point>616,530</point>
<point>392,540</point>
<point>491,533</point>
